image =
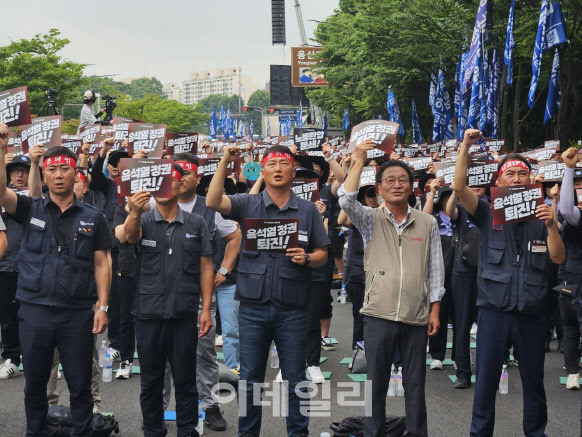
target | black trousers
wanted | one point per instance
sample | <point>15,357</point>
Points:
<point>125,291</point>
<point>159,341</point>
<point>382,338</point>
<point>571,341</point>
<point>317,310</point>
<point>438,343</point>
<point>9,317</point>
<point>114,306</point>
<point>42,328</point>
<point>357,290</point>
<point>464,296</point>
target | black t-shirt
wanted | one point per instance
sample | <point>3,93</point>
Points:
<point>63,221</point>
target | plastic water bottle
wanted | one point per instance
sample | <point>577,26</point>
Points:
<point>107,369</point>
<point>201,417</point>
<point>393,382</point>
<point>325,434</point>
<point>504,382</point>
<point>399,386</point>
<point>102,352</point>
<point>274,358</point>
<point>343,294</point>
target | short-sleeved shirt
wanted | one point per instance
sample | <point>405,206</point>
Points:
<point>63,221</point>
<point>2,225</point>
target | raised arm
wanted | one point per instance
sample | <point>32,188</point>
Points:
<point>429,204</point>
<point>451,208</point>
<point>215,197</point>
<point>34,182</point>
<point>567,204</point>
<point>8,198</point>
<point>467,197</point>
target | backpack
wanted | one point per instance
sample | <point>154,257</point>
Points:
<point>60,423</point>
<point>354,426</point>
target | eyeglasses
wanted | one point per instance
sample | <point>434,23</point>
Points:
<point>391,180</point>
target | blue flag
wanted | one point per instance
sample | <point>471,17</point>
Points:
<point>325,125</point>
<point>537,55</point>
<point>462,115</point>
<point>346,122</point>
<point>252,129</point>
<point>300,115</point>
<point>448,124</point>
<point>483,85</point>
<point>554,85</point>
<point>482,24</point>
<point>222,119</point>
<point>493,95</point>
<point>432,92</point>
<point>390,100</point>
<point>509,45</point>
<point>227,125</point>
<point>394,112</point>
<point>416,133</point>
<point>269,128</point>
<point>555,29</point>
<point>475,101</point>
<point>213,126</point>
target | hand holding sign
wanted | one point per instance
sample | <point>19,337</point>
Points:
<point>139,200</point>
<point>544,212</point>
<point>297,255</point>
<point>4,133</point>
<point>381,132</point>
<point>362,150</point>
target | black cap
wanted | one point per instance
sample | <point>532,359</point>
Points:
<point>305,173</point>
<point>114,157</point>
<point>204,183</point>
<point>19,160</point>
<point>324,165</point>
<point>303,161</point>
<point>447,189</point>
<point>578,173</point>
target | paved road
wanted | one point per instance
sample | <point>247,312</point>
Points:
<point>449,410</point>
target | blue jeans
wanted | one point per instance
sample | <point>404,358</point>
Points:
<point>260,324</point>
<point>229,318</point>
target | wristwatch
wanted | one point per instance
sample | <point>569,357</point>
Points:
<point>223,271</point>
<point>307,259</point>
<point>103,308</point>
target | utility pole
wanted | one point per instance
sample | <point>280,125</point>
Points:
<point>300,23</point>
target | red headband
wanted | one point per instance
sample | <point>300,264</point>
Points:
<point>278,155</point>
<point>177,175</point>
<point>60,159</point>
<point>82,177</point>
<point>513,163</point>
<point>190,166</point>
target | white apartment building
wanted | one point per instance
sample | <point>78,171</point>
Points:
<point>205,83</point>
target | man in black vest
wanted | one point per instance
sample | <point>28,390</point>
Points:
<point>65,247</point>
<point>512,293</point>
<point>272,287</point>
<point>174,269</point>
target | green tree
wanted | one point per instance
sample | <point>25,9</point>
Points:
<point>369,46</point>
<point>139,88</point>
<point>258,99</point>
<point>37,64</point>
<point>206,105</point>
<point>153,109</point>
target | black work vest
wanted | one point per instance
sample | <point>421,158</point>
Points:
<point>169,270</point>
<point>57,275</point>
<point>273,276</point>
<point>9,262</point>
<point>508,280</point>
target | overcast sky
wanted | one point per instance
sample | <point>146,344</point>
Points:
<point>166,39</point>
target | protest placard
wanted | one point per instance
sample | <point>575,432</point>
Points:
<point>180,142</point>
<point>421,163</point>
<point>271,235</point>
<point>72,142</point>
<point>44,131</point>
<point>309,140</point>
<point>368,176</point>
<point>382,132</point>
<point>153,175</point>
<point>445,172</point>
<point>14,144</point>
<point>120,130</point>
<point>481,174</point>
<point>307,189</point>
<point>579,196</point>
<point>515,203</point>
<point>147,137</point>
<point>493,145</point>
<point>14,107</point>
<point>552,170</point>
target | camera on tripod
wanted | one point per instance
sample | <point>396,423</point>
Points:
<point>51,95</point>
<point>110,106</point>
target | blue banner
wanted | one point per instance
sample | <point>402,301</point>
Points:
<point>416,133</point>
<point>448,125</point>
<point>554,85</point>
<point>300,115</point>
<point>394,112</point>
<point>213,127</point>
<point>537,55</point>
<point>493,95</point>
<point>227,126</point>
<point>252,129</point>
<point>483,85</point>
<point>475,101</point>
<point>346,122</point>
<point>222,119</point>
<point>390,100</point>
<point>269,128</point>
<point>462,116</point>
<point>432,92</point>
<point>482,23</point>
<point>555,29</point>
<point>509,45</point>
